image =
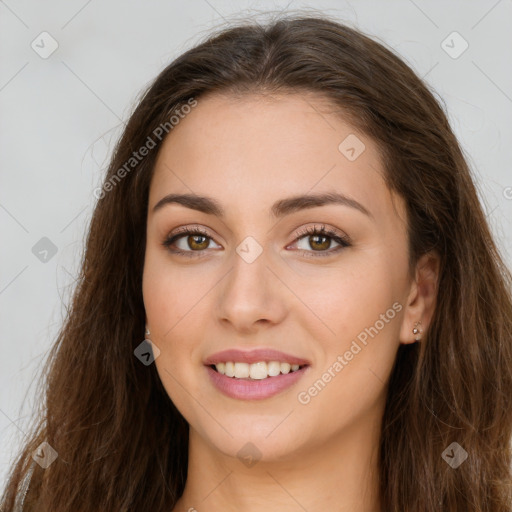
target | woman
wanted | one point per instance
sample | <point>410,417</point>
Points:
<point>289,224</point>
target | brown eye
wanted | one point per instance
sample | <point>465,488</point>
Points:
<point>191,242</point>
<point>318,241</point>
<point>197,242</point>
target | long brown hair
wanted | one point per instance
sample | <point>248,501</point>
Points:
<point>121,443</point>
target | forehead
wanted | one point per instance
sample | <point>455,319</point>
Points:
<point>255,149</point>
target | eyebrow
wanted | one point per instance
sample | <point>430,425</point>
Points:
<point>280,208</point>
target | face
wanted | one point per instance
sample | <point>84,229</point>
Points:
<point>260,274</point>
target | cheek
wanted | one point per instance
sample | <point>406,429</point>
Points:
<point>372,312</point>
<point>347,297</point>
<point>356,303</point>
<point>172,307</point>
<point>168,301</point>
<point>177,302</point>
<point>171,295</point>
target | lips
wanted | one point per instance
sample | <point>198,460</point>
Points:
<point>254,356</point>
<point>261,387</point>
<point>245,389</point>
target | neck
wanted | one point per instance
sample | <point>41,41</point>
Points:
<point>340,474</point>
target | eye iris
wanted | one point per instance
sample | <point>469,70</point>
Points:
<point>324,245</point>
<point>202,245</point>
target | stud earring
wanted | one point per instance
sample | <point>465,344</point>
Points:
<point>417,331</point>
<point>147,333</point>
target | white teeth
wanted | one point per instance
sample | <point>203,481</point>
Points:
<point>257,371</point>
<point>230,369</point>
<point>274,368</point>
<point>241,370</point>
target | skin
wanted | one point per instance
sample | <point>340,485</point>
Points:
<point>247,153</point>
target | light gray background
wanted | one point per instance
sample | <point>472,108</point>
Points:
<point>60,117</point>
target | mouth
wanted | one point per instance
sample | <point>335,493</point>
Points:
<point>255,381</point>
<point>260,370</point>
<point>254,374</point>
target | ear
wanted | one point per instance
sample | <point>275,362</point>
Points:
<point>421,301</point>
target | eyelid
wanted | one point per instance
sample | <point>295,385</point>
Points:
<point>322,229</point>
<point>181,232</point>
<point>342,239</point>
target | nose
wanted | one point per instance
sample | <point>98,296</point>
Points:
<point>251,296</point>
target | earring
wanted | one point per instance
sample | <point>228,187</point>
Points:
<point>147,333</point>
<point>417,331</point>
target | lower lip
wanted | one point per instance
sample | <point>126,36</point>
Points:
<point>248,389</point>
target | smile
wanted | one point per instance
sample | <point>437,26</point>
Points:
<point>255,371</point>
<point>254,374</point>
<point>250,388</point>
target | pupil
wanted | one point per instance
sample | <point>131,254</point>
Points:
<point>316,237</point>
<point>194,240</point>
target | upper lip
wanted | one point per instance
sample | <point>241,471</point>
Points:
<point>253,356</point>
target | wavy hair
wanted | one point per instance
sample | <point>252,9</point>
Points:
<point>122,444</point>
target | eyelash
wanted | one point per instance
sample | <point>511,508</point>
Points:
<point>343,240</point>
